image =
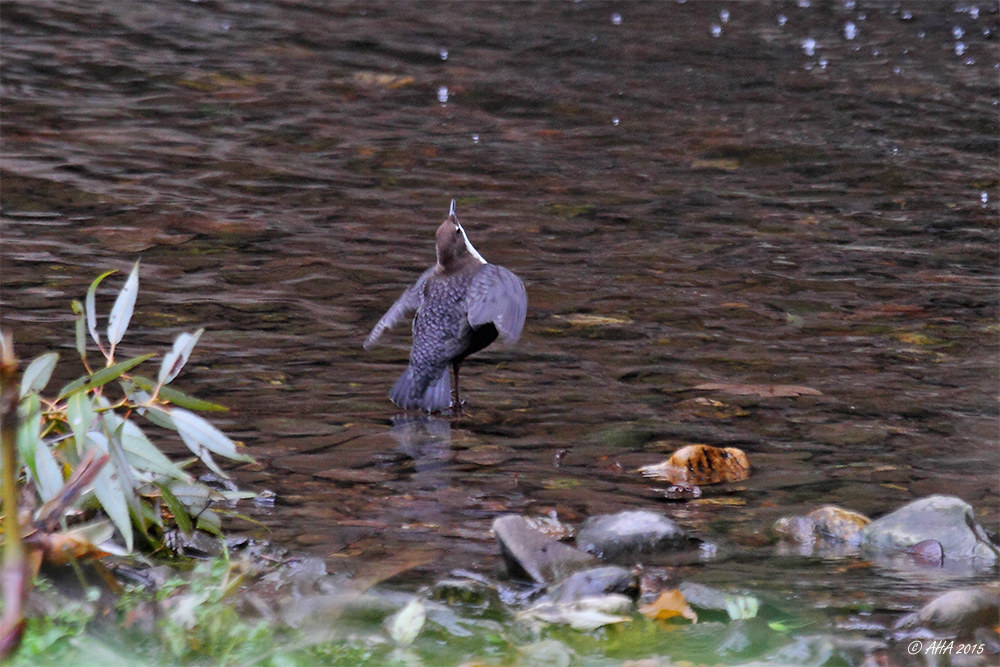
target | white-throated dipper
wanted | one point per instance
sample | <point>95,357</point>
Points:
<point>462,304</point>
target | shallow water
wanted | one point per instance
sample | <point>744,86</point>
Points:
<point>684,208</point>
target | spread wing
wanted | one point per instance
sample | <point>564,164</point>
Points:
<point>408,302</point>
<point>496,295</point>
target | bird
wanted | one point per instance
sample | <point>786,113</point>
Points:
<point>460,305</point>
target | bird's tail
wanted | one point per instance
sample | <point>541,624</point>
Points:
<point>426,391</point>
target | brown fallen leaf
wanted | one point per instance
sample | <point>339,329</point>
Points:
<point>701,464</point>
<point>760,389</point>
<point>670,603</point>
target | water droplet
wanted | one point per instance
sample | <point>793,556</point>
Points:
<point>970,61</point>
<point>724,16</point>
<point>443,94</point>
<point>616,19</point>
<point>897,70</point>
<point>875,53</point>
<point>957,32</point>
<point>809,46</point>
<point>782,19</point>
<point>907,15</point>
<point>716,30</point>
<point>444,54</point>
<point>823,62</point>
<point>614,121</point>
<point>849,4</point>
<point>850,30</point>
<point>475,138</point>
<point>959,48</point>
<point>983,197</point>
<point>974,12</point>
<point>921,34</point>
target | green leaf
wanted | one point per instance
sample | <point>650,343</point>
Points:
<point>210,522</point>
<point>80,415</point>
<point>102,377</point>
<point>121,312</point>
<point>91,308</point>
<point>28,433</point>
<point>81,328</point>
<point>201,438</point>
<point>110,494</point>
<point>38,372</point>
<point>140,451</point>
<point>174,360</point>
<point>176,508</point>
<point>49,476</point>
<point>178,398</point>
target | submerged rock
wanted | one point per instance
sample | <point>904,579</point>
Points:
<point>527,552</point>
<point>945,519</point>
<point>959,612</point>
<point>829,524</point>
<point>627,535</point>
<point>596,581</point>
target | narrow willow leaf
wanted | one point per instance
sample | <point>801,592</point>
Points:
<point>174,360</point>
<point>50,479</point>
<point>193,496</point>
<point>28,433</point>
<point>159,416</point>
<point>139,450</point>
<point>201,438</point>
<point>110,494</point>
<point>81,328</point>
<point>178,398</point>
<point>38,372</point>
<point>91,307</point>
<point>210,522</point>
<point>181,516</point>
<point>102,377</point>
<point>121,312</point>
<point>80,415</point>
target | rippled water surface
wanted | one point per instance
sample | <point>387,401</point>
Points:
<point>764,193</point>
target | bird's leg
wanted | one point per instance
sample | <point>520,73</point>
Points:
<point>456,403</point>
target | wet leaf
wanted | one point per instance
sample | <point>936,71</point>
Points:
<point>406,624</point>
<point>669,604</point>
<point>585,614</point>
<point>382,80</point>
<point>588,320</point>
<point>701,464</point>
<point>174,360</point>
<point>77,544</point>
<point>102,377</point>
<point>121,312</point>
<point>761,389</point>
<point>91,307</point>
<point>38,372</point>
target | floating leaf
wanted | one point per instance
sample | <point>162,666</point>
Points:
<point>102,377</point>
<point>38,372</point>
<point>406,624</point>
<point>588,320</point>
<point>91,307</point>
<point>671,603</point>
<point>174,360</point>
<point>701,464</point>
<point>761,389</point>
<point>121,312</point>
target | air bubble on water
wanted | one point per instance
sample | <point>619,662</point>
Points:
<point>225,26</point>
<point>782,19</point>
<point>959,48</point>
<point>970,61</point>
<point>850,30</point>
<point>921,34</point>
<point>823,62</point>
<point>974,12</point>
<point>616,19</point>
<point>957,32</point>
<point>983,197</point>
<point>849,4</point>
<point>475,138</point>
<point>897,70</point>
<point>804,4</point>
<point>907,16</point>
<point>716,30</point>
<point>443,94</point>
<point>862,16</point>
<point>444,54</point>
<point>614,121</point>
<point>724,16</point>
<point>809,46</point>
<point>874,53</point>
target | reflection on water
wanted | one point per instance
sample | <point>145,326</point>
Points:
<point>797,193</point>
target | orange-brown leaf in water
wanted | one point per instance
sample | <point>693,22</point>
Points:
<point>701,464</point>
<point>670,603</point>
<point>761,389</point>
<point>61,548</point>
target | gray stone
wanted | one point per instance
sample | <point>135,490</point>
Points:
<point>529,552</point>
<point>946,519</point>
<point>596,581</point>
<point>626,535</point>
